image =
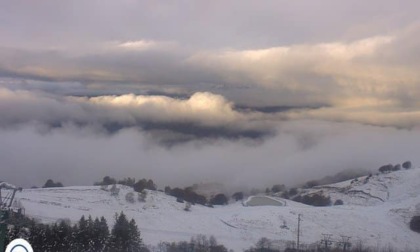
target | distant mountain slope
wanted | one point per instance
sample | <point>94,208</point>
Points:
<point>376,212</point>
<point>372,190</point>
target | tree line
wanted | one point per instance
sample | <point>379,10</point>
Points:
<point>87,234</point>
<point>198,243</point>
<point>187,194</point>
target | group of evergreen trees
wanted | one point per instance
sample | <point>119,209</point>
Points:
<point>198,243</point>
<point>87,235</point>
<point>138,185</point>
<point>189,195</point>
<point>50,183</point>
<point>390,168</point>
<point>315,199</point>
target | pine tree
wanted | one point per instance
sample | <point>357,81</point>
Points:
<point>48,239</point>
<point>119,233</point>
<point>12,234</point>
<point>100,234</point>
<point>63,235</point>
<point>135,242</point>
<point>104,234</point>
<point>81,236</point>
<point>125,235</point>
<point>90,233</point>
<point>37,236</point>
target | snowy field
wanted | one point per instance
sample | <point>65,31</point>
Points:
<point>376,212</point>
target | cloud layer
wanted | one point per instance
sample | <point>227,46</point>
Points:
<point>302,150</point>
<point>278,91</point>
<point>169,120</point>
<point>378,70</point>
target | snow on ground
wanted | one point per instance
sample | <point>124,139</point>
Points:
<point>376,212</point>
<point>264,201</point>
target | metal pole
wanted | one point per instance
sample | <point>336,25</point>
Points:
<point>298,233</point>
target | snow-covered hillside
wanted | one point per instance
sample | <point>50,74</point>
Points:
<point>377,212</point>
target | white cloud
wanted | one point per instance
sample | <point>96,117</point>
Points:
<point>137,45</point>
<point>202,116</point>
<point>206,108</point>
<point>332,73</point>
<point>283,66</point>
<point>369,75</point>
<point>303,150</point>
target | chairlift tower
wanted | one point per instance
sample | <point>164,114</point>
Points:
<point>6,209</point>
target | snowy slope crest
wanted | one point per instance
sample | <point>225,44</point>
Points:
<point>376,212</point>
<point>373,190</point>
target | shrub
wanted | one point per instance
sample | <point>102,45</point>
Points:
<point>187,194</point>
<point>142,196</point>
<point>50,183</point>
<point>293,191</point>
<point>167,190</point>
<point>177,193</point>
<point>142,184</point>
<point>107,180</point>
<point>314,200</point>
<point>415,224</point>
<point>263,245</point>
<point>151,185</point>
<point>338,202</point>
<point>238,196</point>
<point>219,199</point>
<point>179,200</point>
<point>129,197</point>
<point>115,191</point>
<point>127,181</point>
<point>386,168</point>
<point>311,184</point>
<point>278,188</point>
<point>187,206</point>
<point>406,165</point>
<point>297,198</point>
<point>193,197</point>
<point>396,167</point>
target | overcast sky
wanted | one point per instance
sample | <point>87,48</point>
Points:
<point>246,92</point>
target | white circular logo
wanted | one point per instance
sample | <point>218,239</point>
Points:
<point>19,245</point>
